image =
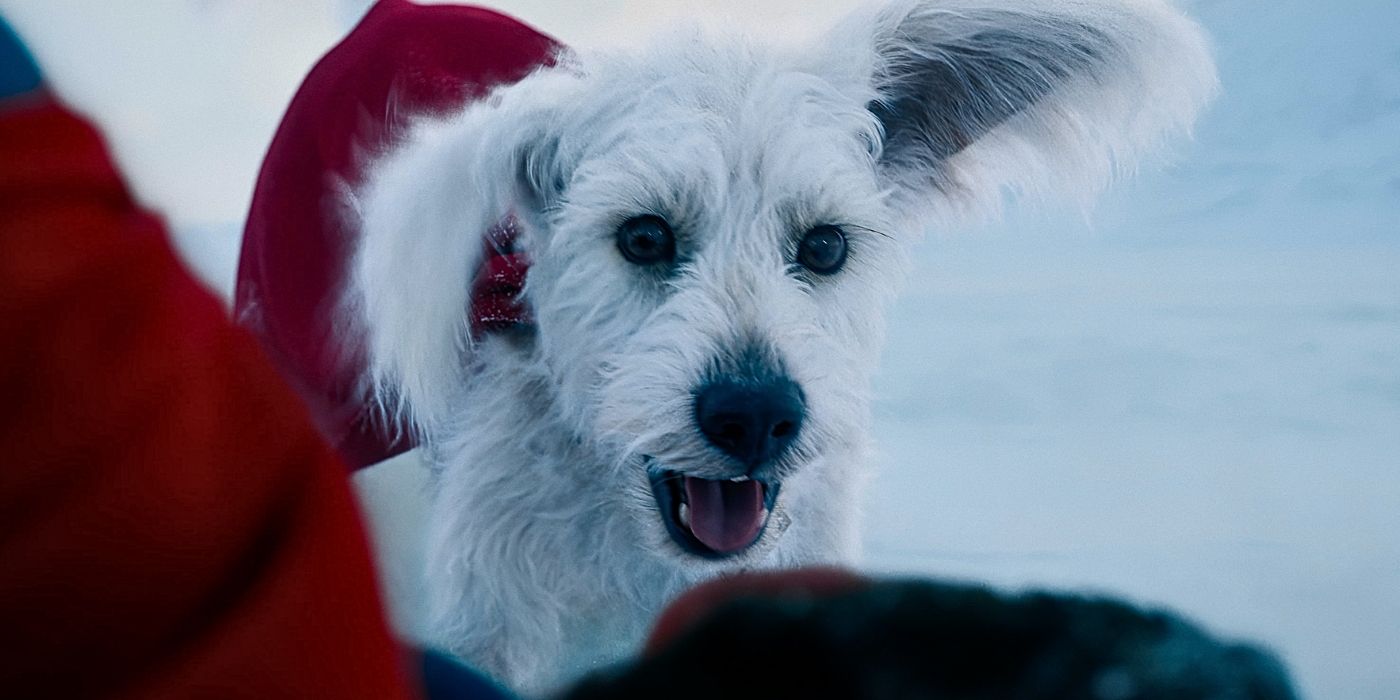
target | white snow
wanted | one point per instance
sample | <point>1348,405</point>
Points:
<point>1192,401</point>
<point>1196,400</point>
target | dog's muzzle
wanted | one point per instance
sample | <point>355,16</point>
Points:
<point>752,422</point>
<point>713,518</point>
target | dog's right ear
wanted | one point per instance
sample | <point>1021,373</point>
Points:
<point>974,96</point>
<point>423,218</point>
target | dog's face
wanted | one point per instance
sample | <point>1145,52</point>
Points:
<point>715,229</point>
<point>708,284</point>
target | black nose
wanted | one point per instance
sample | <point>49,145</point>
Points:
<point>754,423</point>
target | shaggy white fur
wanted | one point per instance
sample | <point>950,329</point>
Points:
<point>547,551</point>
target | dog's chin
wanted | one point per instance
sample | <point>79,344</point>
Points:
<point>713,519</point>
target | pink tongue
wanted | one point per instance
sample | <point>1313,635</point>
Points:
<point>724,515</point>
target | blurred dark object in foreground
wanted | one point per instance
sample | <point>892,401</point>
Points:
<point>921,639</point>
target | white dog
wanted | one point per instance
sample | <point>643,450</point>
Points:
<point>715,228</point>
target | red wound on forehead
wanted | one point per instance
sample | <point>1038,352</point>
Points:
<point>419,60</point>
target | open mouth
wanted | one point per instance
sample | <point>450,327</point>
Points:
<point>712,518</point>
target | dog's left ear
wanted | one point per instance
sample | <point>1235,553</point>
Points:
<point>976,95</point>
<point>424,220</point>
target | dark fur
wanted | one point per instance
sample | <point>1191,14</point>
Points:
<point>919,639</point>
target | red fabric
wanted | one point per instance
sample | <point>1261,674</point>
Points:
<point>171,524</point>
<point>693,606</point>
<point>496,303</point>
<point>402,60</point>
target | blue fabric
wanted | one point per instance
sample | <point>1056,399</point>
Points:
<point>18,74</point>
<point>444,678</point>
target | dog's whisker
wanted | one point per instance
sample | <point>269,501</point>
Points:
<point>867,229</point>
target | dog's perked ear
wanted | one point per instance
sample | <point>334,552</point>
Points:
<point>1039,95</point>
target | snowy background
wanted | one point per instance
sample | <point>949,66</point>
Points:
<point>1191,399</point>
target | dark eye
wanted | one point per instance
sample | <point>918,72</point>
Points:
<point>646,240</point>
<point>822,250</point>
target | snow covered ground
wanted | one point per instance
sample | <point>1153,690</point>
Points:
<point>1217,430</point>
<point>1193,400</point>
<point>1196,400</point>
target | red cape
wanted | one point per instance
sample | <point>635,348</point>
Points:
<point>171,524</point>
<point>403,60</point>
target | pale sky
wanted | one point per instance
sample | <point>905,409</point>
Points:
<point>189,92</point>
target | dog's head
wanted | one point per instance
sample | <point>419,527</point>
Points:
<point>716,227</point>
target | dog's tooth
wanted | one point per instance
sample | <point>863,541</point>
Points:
<point>739,479</point>
<point>685,514</point>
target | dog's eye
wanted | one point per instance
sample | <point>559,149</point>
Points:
<point>823,250</point>
<point>646,240</point>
